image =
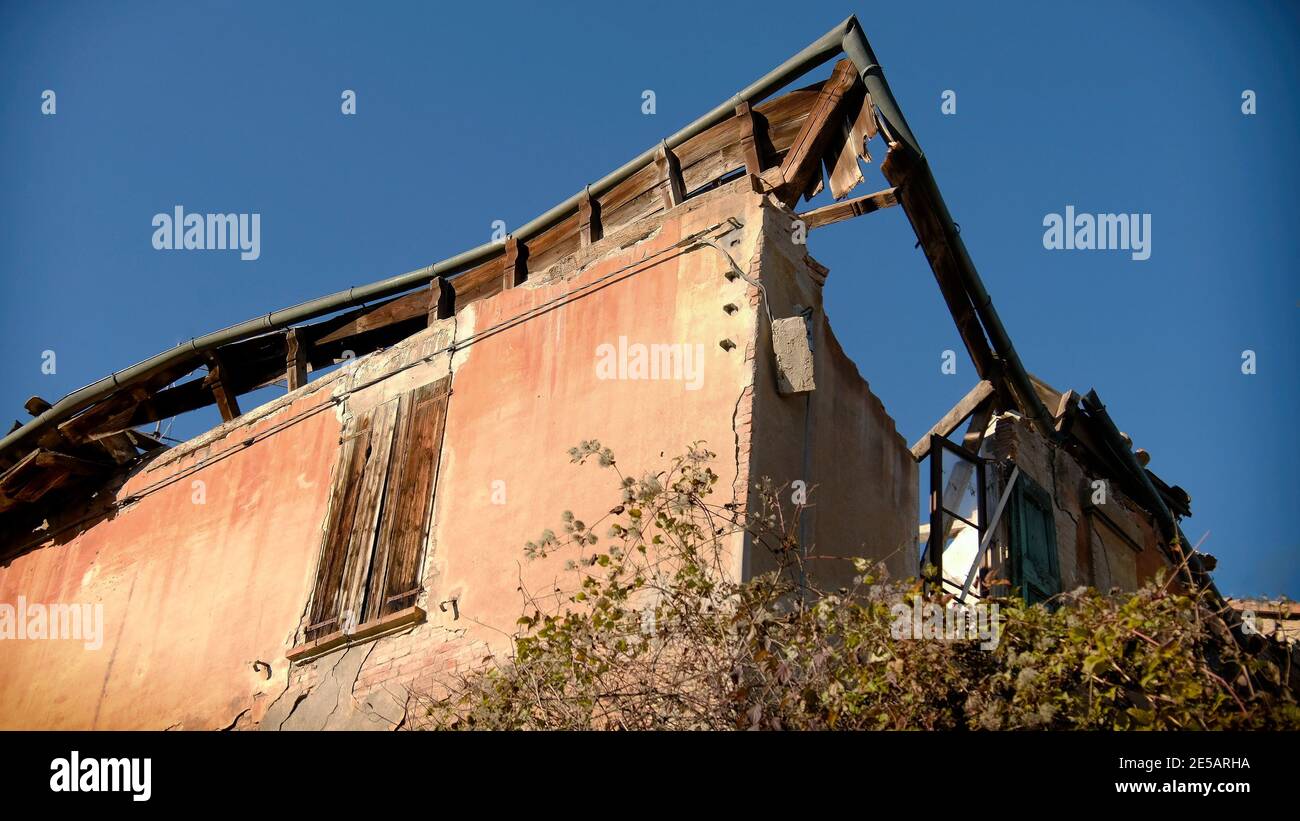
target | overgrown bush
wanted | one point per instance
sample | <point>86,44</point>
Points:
<point>656,634</point>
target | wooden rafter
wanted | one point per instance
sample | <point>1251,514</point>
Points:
<point>754,141</point>
<point>295,359</point>
<point>514,264</point>
<point>801,169</point>
<point>442,299</point>
<point>750,146</point>
<point>856,207</point>
<point>589,228</point>
<point>672,191</point>
<point>221,384</point>
<point>959,413</point>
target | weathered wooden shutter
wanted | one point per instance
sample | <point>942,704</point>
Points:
<point>1033,542</point>
<point>327,596</point>
<point>412,474</point>
<point>380,508</point>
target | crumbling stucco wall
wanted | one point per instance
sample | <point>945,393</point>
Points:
<point>837,438</point>
<point>204,601</point>
<point>201,583</point>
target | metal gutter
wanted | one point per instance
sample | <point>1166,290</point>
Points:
<point>859,51</point>
<point>816,53</point>
<point>847,38</point>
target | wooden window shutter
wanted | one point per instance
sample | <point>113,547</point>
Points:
<point>412,475</point>
<point>380,509</point>
<point>1035,567</point>
<point>327,595</point>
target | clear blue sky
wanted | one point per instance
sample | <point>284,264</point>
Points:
<point>498,111</point>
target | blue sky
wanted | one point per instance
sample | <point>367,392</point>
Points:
<point>468,115</point>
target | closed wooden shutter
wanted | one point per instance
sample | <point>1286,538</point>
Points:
<point>327,596</point>
<point>413,473</point>
<point>380,510</point>
<point>1033,542</point>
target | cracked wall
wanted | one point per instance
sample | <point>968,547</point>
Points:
<point>203,601</point>
<point>837,438</point>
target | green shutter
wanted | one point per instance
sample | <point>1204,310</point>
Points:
<point>1034,564</point>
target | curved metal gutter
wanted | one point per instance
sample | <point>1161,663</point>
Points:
<point>847,38</point>
<point>818,52</point>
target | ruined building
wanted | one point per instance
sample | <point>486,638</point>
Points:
<point>310,561</point>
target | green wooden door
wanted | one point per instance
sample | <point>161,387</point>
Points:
<point>1034,564</point>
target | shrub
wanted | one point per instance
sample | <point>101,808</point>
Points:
<point>657,635</point>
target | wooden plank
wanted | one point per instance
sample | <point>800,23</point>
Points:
<point>552,246</point>
<point>295,359</point>
<point>143,441</point>
<point>840,211</point>
<point>442,299</point>
<point>672,191</point>
<point>41,472</point>
<point>406,308</point>
<point>412,475</point>
<point>803,164</point>
<point>119,447</point>
<point>36,406</point>
<point>1066,410</point>
<point>514,264</point>
<point>954,417</point>
<point>842,159</point>
<point>589,230</point>
<point>221,387</point>
<point>327,595</point>
<point>369,507</point>
<point>749,145</point>
<point>703,159</point>
<point>115,413</point>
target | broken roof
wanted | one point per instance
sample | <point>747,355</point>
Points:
<point>784,144</point>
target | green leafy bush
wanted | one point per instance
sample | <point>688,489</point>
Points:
<point>657,634</point>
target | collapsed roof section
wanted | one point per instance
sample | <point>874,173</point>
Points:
<point>783,144</point>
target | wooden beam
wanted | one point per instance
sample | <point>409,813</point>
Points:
<point>143,441</point>
<point>295,359</point>
<point>842,157</point>
<point>41,471</point>
<point>774,125</point>
<point>218,381</point>
<point>589,228</point>
<point>119,447</point>
<point>954,417</point>
<point>1066,409</point>
<point>749,145</point>
<point>801,169</point>
<point>672,191</point>
<point>514,264</point>
<point>408,307</point>
<point>856,207</point>
<point>36,406</point>
<point>108,417</point>
<point>442,299</point>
